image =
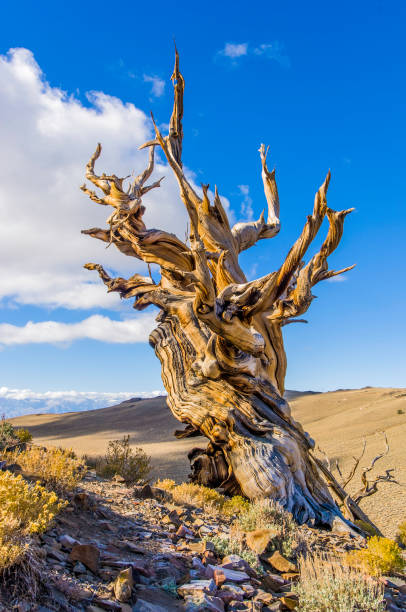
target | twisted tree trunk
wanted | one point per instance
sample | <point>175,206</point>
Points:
<point>219,337</point>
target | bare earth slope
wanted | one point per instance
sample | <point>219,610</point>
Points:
<point>338,421</point>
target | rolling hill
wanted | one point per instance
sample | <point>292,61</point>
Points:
<point>337,420</point>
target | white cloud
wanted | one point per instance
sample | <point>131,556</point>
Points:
<point>273,51</point>
<point>46,139</point>
<point>246,210</point>
<point>158,85</point>
<point>96,327</point>
<point>73,396</point>
<point>17,402</point>
<point>234,50</point>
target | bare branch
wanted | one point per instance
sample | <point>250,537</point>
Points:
<point>247,234</point>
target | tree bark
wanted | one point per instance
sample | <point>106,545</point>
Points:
<point>219,337</point>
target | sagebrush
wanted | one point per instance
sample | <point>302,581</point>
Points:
<point>121,460</point>
<point>326,585</point>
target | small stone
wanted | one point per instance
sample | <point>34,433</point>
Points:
<point>291,576</point>
<point>79,568</point>
<point>196,586</point>
<point>276,606</point>
<point>273,582</point>
<point>184,532</point>
<point>88,554</point>
<point>248,589</point>
<point>118,478</point>
<point>280,563</point>
<point>229,574</point>
<point>259,540</point>
<point>123,585</point>
<point>289,602</point>
<point>219,577</point>
<point>264,597</point>
<point>67,541</point>
<point>144,492</point>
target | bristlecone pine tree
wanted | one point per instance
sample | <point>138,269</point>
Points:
<point>219,337</point>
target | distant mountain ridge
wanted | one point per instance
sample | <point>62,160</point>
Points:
<point>19,402</point>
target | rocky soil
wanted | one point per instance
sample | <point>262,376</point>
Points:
<point>131,549</point>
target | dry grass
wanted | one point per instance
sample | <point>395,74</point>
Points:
<point>382,556</point>
<point>327,586</point>
<point>203,497</point>
<point>56,468</point>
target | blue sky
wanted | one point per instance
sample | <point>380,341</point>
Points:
<point>321,83</point>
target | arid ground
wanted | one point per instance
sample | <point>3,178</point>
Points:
<point>338,421</point>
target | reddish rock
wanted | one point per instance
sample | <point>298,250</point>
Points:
<point>259,540</point>
<point>88,554</point>
<point>280,563</point>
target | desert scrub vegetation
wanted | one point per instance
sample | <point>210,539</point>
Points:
<point>401,535</point>
<point>204,497</point>
<point>25,509</point>
<point>235,545</point>
<point>326,585</point>
<point>270,515</point>
<point>381,556</point>
<point>121,460</point>
<point>56,468</point>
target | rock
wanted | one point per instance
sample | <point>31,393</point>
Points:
<point>234,562</point>
<point>264,597</point>
<point>152,599</point>
<point>144,492</point>
<point>289,602</point>
<point>83,501</point>
<point>67,541</point>
<point>79,568</point>
<point>107,604</point>
<point>280,563</point>
<point>229,574</point>
<point>54,553</point>
<point>123,585</point>
<point>259,540</point>
<point>291,576</point>
<point>276,606</point>
<point>184,532</point>
<point>88,554</point>
<point>204,603</point>
<point>219,577</point>
<point>197,586</point>
<point>273,582</point>
<point>248,589</point>
<point>118,478</point>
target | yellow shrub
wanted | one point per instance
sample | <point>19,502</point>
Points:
<point>24,509</point>
<point>235,505</point>
<point>402,533</point>
<point>382,556</point>
<point>167,484</point>
<point>56,468</point>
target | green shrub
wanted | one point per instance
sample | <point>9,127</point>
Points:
<point>382,556</point>
<point>23,435</point>
<point>328,586</point>
<point>8,436</point>
<point>120,459</point>
<point>234,545</point>
<point>268,514</point>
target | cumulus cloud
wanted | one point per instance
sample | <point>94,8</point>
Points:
<point>246,210</point>
<point>96,327</point>
<point>73,396</point>
<point>17,402</point>
<point>46,139</point>
<point>234,50</point>
<point>272,51</point>
<point>157,85</point>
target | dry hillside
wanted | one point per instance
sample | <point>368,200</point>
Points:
<point>338,421</point>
